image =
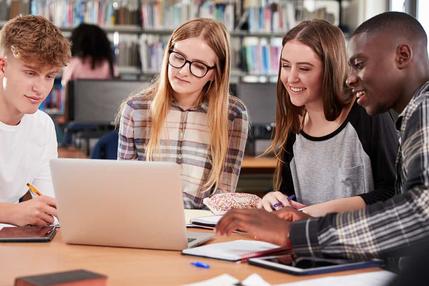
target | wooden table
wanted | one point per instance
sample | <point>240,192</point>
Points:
<point>125,266</point>
<point>264,165</point>
<point>71,152</point>
<point>249,164</point>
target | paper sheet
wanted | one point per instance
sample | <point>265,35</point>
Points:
<point>221,280</point>
<point>228,280</point>
<point>6,225</point>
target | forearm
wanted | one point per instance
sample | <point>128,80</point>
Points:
<point>335,206</point>
<point>7,211</point>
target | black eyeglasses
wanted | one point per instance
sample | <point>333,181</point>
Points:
<point>198,69</point>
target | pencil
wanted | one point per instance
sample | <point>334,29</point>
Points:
<point>33,189</point>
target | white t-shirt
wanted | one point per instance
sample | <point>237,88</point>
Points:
<point>25,151</point>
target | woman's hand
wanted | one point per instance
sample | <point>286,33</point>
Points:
<point>273,201</point>
<point>276,200</point>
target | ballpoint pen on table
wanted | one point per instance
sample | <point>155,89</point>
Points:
<point>200,264</point>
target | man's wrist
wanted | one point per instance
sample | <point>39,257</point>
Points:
<point>286,235</point>
<point>304,237</point>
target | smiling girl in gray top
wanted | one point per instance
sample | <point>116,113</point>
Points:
<point>331,155</point>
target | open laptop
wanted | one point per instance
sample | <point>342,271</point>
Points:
<point>122,203</point>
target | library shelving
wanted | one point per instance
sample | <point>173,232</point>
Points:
<point>139,29</point>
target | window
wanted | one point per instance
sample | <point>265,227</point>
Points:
<point>397,5</point>
<point>423,5</point>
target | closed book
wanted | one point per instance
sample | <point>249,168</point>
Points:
<point>78,277</point>
<point>208,221</point>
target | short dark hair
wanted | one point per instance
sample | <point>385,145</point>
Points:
<point>394,22</point>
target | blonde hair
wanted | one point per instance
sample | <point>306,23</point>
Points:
<point>35,39</point>
<point>327,41</point>
<point>216,92</point>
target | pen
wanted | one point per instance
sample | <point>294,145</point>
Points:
<point>279,205</point>
<point>33,189</point>
<point>200,264</point>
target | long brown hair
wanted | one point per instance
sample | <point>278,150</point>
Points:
<point>216,92</point>
<point>327,41</point>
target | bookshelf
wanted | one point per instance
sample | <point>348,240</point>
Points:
<point>139,29</point>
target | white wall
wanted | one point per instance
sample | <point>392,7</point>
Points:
<point>357,11</point>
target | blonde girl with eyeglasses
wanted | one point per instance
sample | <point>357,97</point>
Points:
<point>187,115</point>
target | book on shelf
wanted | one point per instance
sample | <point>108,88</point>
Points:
<point>261,55</point>
<point>151,52</point>
<point>126,49</point>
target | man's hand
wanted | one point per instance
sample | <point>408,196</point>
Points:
<point>291,214</point>
<point>37,211</point>
<point>259,224</point>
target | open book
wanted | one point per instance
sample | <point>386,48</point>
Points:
<point>235,250</point>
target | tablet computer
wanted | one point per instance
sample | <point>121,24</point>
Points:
<point>310,265</point>
<point>27,233</point>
